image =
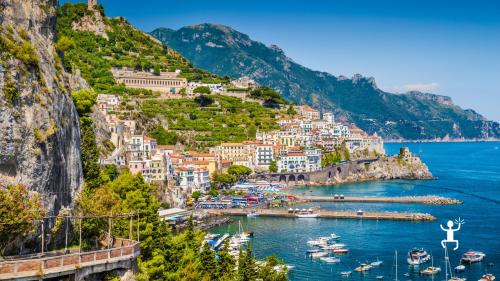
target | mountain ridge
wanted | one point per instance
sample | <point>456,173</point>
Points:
<point>414,115</point>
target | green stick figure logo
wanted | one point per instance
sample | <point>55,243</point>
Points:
<point>450,232</point>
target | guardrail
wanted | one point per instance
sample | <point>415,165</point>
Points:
<point>123,249</point>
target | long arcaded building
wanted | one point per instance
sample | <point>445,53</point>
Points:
<point>166,82</point>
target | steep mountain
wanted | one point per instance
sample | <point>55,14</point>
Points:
<point>414,115</point>
<point>39,128</point>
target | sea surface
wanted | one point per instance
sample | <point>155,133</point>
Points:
<point>465,171</point>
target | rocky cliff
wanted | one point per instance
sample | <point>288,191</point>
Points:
<point>39,128</point>
<point>385,168</point>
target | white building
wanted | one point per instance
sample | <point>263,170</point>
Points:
<point>294,162</point>
<point>194,179</point>
<point>214,88</point>
<point>328,117</point>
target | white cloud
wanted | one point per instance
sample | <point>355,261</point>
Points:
<point>422,87</point>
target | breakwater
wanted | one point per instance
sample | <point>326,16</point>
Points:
<point>429,199</point>
<point>330,214</point>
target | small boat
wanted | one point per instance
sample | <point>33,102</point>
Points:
<point>457,279</point>
<point>334,236</point>
<point>329,259</point>
<point>332,246</point>
<point>472,256</point>
<point>460,268</point>
<point>307,215</point>
<point>247,234</point>
<point>418,256</point>
<point>377,263</point>
<point>380,277</point>
<point>487,277</point>
<point>253,214</point>
<point>346,273</point>
<point>340,251</point>
<point>431,270</point>
<point>317,242</point>
<point>363,267</point>
<point>407,274</point>
<point>310,251</point>
<point>319,255</point>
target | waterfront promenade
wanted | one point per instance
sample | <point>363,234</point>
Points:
<point>74,265</point>
<point>429,199</point>
<point>329,214</point>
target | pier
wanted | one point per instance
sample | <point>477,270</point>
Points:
<point>429,199</point>
<point>330,214</point>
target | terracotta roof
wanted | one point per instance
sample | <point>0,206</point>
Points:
<point>148,138</point>
<point>308,108</point>
<point>226,161</point>
<point>232,144</point>
<point>196,163</point>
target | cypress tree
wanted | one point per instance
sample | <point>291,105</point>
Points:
<point>226,261</point>
<point>208,264</point>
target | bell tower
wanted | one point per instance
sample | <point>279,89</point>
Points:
<point>92,4</point>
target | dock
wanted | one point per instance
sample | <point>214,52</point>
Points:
<point>429,199</point>
<point>330,214</point>
<point>220,241</point>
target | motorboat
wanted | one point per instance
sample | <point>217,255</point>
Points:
<point>460,268</point>
<point>376,263</point>
<point>363,267</point>
<point>472,256</point>
<point>307,215</point>
<point>380,277</point>
<point>487,277</point>
<point>310,251</point>
<point>340,251</point>
<point>418,256</point>
<point>329,259</point>
<point>317,242</point>
<point>431,270</point>
<point>332,246</point>
<point>346,273</point>
<point>253,214</point>
<point>457,279</point>
<point>319,255</point>
<point>334,236</point>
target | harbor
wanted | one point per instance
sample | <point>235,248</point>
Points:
<point>324,214</point>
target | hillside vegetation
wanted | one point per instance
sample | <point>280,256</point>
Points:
<point>94,55</point>
<point>225,51</point>
<point>207,121</point>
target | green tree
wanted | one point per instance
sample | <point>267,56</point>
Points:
<point>226,262</point>
<point>273,167</point>
<point>202,90</point>
<point>213,192</point>
<point>208,265</point>
<point>196,195</point>
<point>223,180</point>
<point>239,171</point>
<point>64,43</point>
<point>89,153</point>
<point>162,136</point>
<point>204,100</point>
<point>84,100</point>
<point>19,213</point>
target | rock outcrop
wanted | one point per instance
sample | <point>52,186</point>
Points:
<point>39,127</point>
<point>385,168</point>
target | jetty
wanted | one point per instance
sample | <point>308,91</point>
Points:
<point>324,214</point>
<point>428,199</point>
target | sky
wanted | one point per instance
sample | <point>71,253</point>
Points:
<point>443,47</point>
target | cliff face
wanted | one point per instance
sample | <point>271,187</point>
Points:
<point>39,128</point>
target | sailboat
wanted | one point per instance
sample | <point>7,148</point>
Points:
<point>448,269</point>
<point>431,270</point>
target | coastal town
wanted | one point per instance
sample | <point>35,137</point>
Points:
<point>298,146</point>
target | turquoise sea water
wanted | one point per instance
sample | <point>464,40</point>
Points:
<point>466,171</point>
